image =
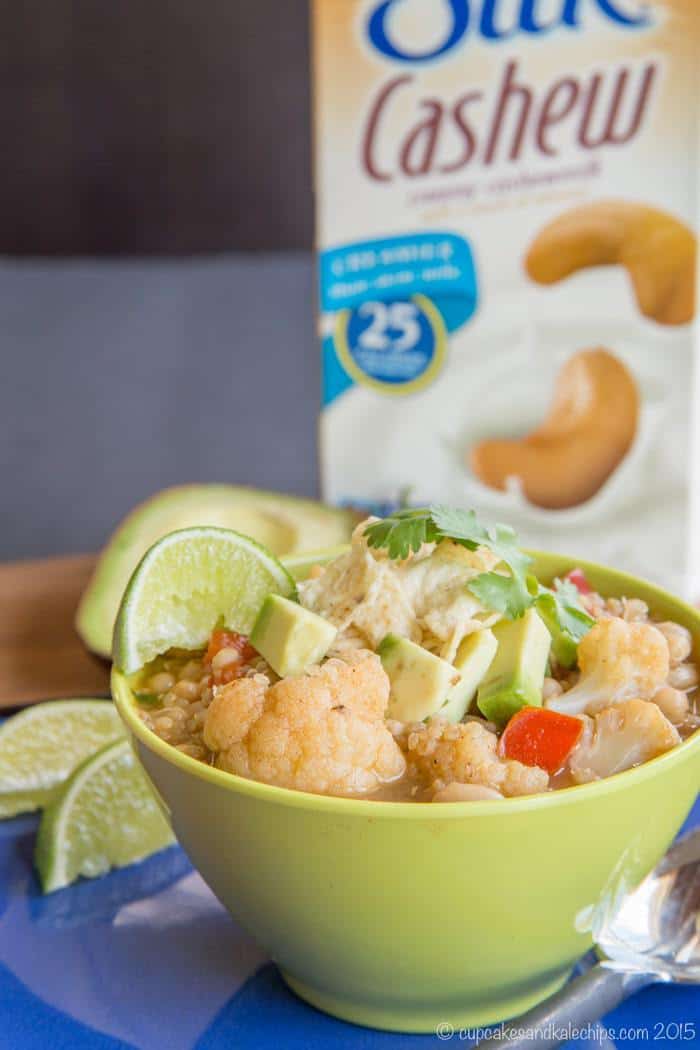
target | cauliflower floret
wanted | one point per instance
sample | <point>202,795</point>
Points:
<point>322,731</point>
<point>621,737</point>
<point>228,720</point>
<point>466,753</point>
<point>618,661</point>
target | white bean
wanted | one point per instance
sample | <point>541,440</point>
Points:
<point>161,682</point>
<point>187,690</point>
<point>673,703</point>
<point>551,689</point>
<point>684,677</point>
<point>679,641</point>
<point>456,792</point>
<point>224,657</point>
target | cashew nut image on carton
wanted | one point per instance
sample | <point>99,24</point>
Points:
<point>590,427</point>
<point>657,250</point>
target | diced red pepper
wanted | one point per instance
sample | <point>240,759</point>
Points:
<point>536,736</point>
<point>224,639</point>
<point>578,578</point>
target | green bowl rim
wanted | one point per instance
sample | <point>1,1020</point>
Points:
<point>125,701</point>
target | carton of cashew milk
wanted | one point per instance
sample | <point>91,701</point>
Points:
<point>506,210</point>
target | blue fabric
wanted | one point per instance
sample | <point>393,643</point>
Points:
<point>146,958</point>
<point>31,1024</point>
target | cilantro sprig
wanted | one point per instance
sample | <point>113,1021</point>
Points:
<point>403,532</point>
<point>510,589</point>
<point>571,615</point>
<point>568,622</point>
<point>507,593</point>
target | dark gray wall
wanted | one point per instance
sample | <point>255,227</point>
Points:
<point>119,378</point>
<point>154,126</point>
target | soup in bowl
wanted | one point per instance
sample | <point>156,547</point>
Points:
<point>414,845</point>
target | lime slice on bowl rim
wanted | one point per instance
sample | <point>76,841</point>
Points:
<point>42,745</point>
<point>105,816</point>
<point>281,522</point>
<point>188,583</point>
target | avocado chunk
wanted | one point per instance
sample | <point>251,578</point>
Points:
<point>283,524</point>
<point>564,648</point>
<point>473,660</point>
<point>516,676</point>
<point>420,681</point>
<point>290,637</point>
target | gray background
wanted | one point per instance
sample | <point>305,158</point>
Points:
<point>167,125</point>
<point>121,377</point>
<point>144,131</point>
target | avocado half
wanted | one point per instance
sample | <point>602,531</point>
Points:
<point>284,524</point>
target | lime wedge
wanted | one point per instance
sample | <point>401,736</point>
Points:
<point>40,748</point>
<point>187,584</point>
<point>282,523</point>
<point>105,816</point>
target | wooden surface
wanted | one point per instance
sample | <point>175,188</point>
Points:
<point>41,656</point>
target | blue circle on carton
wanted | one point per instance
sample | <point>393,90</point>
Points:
<point>394,342</point>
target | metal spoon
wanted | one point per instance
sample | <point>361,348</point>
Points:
<point>652,935</point>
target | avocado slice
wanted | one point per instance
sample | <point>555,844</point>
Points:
<point>290,637</point>
<point>474,657</point>
<point>420,681</point>
<point>282,523</point>
<point>516,676</point>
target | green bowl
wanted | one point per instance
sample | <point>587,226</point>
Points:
<point>404,915</point>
